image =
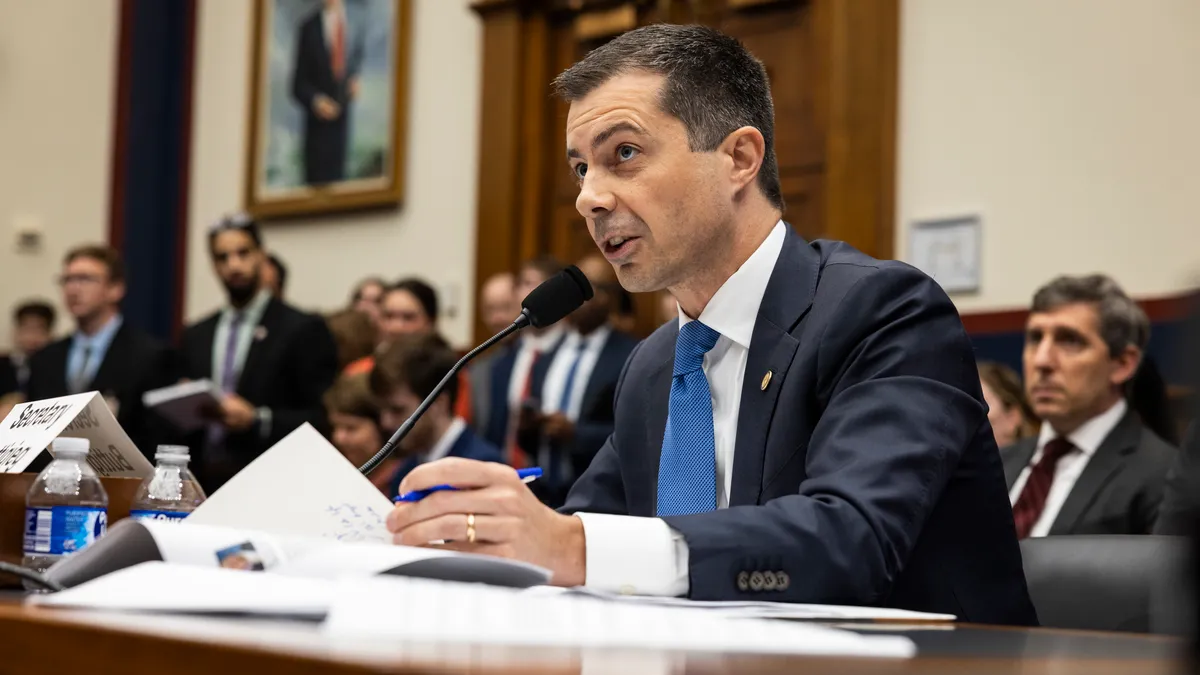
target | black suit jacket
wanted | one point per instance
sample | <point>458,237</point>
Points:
<point>1121,487</point>
<point>292,362</point>
<point>134,364</point>
<point>865,472</point>
<point>8,376</point>
<point>1180,512</point>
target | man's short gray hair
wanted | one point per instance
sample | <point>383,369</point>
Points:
<point>1122,321</point>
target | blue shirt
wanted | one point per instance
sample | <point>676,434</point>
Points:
<point>96,346</point>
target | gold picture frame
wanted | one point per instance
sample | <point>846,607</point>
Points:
<point>328,106</point>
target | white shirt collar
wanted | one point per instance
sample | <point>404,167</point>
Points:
<point>1091,433</point>
<point>447,441</point>
<point>734,307</point>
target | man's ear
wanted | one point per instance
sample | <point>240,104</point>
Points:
<point>1126,363</point>
<point>746,150</point>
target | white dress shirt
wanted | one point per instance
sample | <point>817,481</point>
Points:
<point>1086,439</point>
<point>447,441</point>
<point>644,556</point>
<point>574,345</point>
<point>523,366</point>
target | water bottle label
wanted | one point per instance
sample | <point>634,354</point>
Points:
<point>162,516</point>
<point>58,530</point>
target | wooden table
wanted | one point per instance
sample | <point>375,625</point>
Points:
<point>60,641</point>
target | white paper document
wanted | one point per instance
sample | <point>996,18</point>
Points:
<point>301,486</point>
<point>418,610</point>
<point>763,610</point>
<point>29,429</point>
<point>184,404</point>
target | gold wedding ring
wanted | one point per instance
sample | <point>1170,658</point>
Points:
<point>470,528</point>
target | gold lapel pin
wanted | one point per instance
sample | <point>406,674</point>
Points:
<point>766,380</point>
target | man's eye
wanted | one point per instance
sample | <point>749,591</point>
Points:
<point>580,170</point>
<point>626,153</point>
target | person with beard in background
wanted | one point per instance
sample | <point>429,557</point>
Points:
<point>273,362</point>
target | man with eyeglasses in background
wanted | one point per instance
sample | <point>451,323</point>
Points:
<point>105,353</point>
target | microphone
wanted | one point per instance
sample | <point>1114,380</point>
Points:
<point>545,305</point>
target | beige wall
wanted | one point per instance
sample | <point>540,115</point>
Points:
<point>57,70</point>
<point>431,236</point>
<point>1071,126</point>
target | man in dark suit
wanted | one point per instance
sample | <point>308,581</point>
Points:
<point>403,376</point>
<point>816,434</point>
<point>325,81</point>
<point>105,353</point>
<point>272,361</point>
<point>576,387</point>
<point>1094,468</point>
<point>513,381</point>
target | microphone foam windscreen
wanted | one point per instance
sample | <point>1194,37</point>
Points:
<point>557,297</point>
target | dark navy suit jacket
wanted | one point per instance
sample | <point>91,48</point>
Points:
<point>496,430</point>
<point>468,446</point>
<point>866,471</point>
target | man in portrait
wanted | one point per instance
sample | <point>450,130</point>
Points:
<point>325,81</point>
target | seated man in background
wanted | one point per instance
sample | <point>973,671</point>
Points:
<point>403,376</point>
<point>1094,468</point>
<point>579,383</point>
<point>354,414</point>
<point>272,361</point>
<point>1180,512</point>
<point>498,307</point>
<point>105,353</point>
<point>33,327</point>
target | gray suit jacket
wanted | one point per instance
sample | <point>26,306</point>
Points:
<point>1121,487</point>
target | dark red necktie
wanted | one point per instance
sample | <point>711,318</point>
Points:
<point>1032,501</point>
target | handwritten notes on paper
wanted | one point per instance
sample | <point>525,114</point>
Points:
<point>301,486</point>
<point>347,522</point>
<point>29,429</point>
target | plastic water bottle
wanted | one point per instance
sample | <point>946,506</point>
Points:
<point>172,492</point>
<point>66,508</point>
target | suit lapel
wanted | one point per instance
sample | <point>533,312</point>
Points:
<point>1100,469</point>
<point>260,342</point>
<point>788,296</point>
<point>1015,458</point>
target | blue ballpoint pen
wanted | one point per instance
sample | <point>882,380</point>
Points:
<point>526,475</point>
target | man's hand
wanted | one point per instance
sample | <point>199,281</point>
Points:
<point>236,413</point>
<point>557,427</point>
<point>509,521</point>
<point>325,107</point>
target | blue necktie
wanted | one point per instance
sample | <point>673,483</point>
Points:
<point>687,471</point>
<point>564,402</point>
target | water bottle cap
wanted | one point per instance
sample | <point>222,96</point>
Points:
<point>71,447</point>
<point>179,452</point>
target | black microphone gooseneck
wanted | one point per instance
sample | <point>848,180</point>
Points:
<point>555,298</point>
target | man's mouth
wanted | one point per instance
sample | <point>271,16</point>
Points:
<point>618,247</point>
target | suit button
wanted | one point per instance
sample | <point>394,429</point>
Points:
<point>756,581</point>
<point>743,582</point>
<point>769,581</point>
<point>782,581</point>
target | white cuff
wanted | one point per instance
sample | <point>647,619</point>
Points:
<point>634,556</point>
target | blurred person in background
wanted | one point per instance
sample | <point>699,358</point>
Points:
<point>274,276</point>
<point>404,375</point>
<point>354,334</point>
<point>354,422</point>
<point>273,362</point>
<point>105,353</point>
<point>1009,412</point>
<point>579,383</point>
<point>1180,512</point>
<point>1094,468</point>
<point>1149,398</point>
<point>498,307</point>
<point>513,373</point>
<point>33,328</point>
<point>624,312</point>
<point>366,296</point>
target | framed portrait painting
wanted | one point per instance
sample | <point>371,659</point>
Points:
<point>327,105</point>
